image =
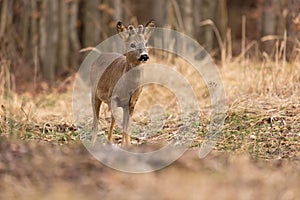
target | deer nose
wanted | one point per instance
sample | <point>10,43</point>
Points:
<point>144,57</point>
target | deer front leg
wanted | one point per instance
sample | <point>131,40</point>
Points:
<point>111,130</point>
<point>96,103</point>
<point>126,122</point>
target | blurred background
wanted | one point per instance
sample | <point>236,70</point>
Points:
<point>41,39</point>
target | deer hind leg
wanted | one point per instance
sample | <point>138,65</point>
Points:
<point>111,130</point>
<point>96,103</point>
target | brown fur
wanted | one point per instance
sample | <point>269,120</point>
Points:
<point>111,67</point>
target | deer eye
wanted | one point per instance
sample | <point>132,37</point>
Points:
<point>132,45</point>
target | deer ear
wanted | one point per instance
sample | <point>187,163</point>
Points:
<point>149,28</point>
<point>122,31</point>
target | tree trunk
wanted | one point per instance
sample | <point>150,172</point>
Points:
<point>33,27</point>
<point>118,16</point>
<point>188,17</point>
<point>269,23</point>
<point>63,37</point>
<point>73,33</point>
<point>159,13</point>
<point>91,32</point>
<point>4,17</point>
<point>49,38</point>
<point>197,18</point>
<point>24,29</point>
<point>208,9</point>
<point>293,29</point>
<point>223,18</point>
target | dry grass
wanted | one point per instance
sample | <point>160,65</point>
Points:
<point>262,119</point>
<point>264,105</point>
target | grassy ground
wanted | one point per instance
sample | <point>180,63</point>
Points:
<point>257,154</point>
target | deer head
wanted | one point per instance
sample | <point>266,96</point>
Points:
<point>136,40</point>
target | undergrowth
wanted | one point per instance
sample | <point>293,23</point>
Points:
<point>263,116</point>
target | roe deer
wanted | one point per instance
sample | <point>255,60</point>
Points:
<point>102,88</point>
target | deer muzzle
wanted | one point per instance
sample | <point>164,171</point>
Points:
<point>144,57</point>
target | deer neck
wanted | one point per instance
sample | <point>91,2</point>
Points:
<point>131,63</point>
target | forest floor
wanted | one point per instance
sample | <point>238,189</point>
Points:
<point>257,155</point>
